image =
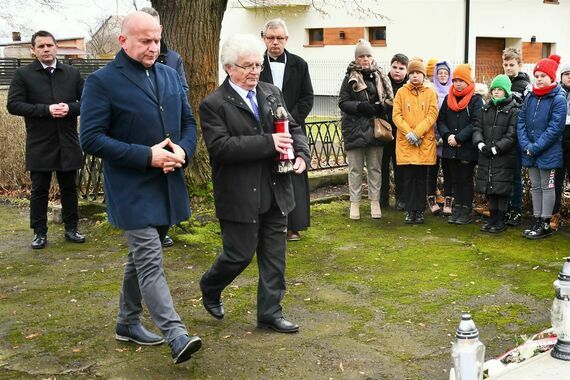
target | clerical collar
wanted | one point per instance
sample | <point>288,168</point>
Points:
<point>280,59</point>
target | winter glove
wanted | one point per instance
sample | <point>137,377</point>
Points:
<point>480,146</point>
<point>379,109</point>
<point>495,150</point>
<point>366,109</point>
<point>486,151</point>
<point>412,138</point>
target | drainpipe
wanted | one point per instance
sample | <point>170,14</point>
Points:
<point>467,10</point>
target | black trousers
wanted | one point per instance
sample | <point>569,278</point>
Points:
<point>432,174</point>
<point>414,193</point>
<point>498,202</point>
<point>446,177</point>
<point>559,177</point>
<point>461,173</point>
<point>389,155</point>
<point>39,199</point>
<point>240,242</point>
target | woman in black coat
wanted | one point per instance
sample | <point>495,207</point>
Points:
<point>495,136</point>
<point>364,94</point>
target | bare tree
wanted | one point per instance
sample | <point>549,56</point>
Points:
<point>103,42</point>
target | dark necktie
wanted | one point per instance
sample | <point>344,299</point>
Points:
<point>49,70</point>
<point>250,96</point>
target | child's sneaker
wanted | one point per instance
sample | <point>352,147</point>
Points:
<point>432,204</point>
<point>447,206</point>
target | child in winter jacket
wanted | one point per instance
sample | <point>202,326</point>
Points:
<point>494,135</point>
<point>457,116</point>
<point>561,173</point>
<point>415,112</point>
<point>442,84</point>
<point>540,126</point>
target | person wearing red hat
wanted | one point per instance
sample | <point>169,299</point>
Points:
<point>540,127</point>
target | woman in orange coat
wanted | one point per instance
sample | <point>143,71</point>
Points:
<point>415,112</point>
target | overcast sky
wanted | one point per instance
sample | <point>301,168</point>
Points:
<point>69,18</point>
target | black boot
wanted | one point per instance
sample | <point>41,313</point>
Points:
<point>465,216</point>
<point>420,218</point>
<point>485,227</point>
<point>499,225</point>
<point>533,226</point>
<point>410,217</point>
<point>455,212</point>
<point>542,231</point>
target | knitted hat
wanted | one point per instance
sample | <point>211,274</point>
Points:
<point>363,47</point>
<point>565,68</point>
<point>463,72</point>
<point>548,66</point>
<point>503,82</point>
<point>442,65</point>
<point>416,65</point>
<point>430,67</point>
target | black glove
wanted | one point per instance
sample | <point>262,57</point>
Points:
<point>486,151</point>
<point>379,109</point>
<point>366,109</point>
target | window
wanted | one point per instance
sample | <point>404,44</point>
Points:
<point>546,49</point>
<point>316,37</point>
<point>377,35</point>
<point>551,2</point>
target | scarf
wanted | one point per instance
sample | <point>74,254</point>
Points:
<point>466,95</point>
<point>544,90</point>
<point>383,86</point>
<point>498,100</point>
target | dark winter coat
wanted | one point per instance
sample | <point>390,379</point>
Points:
<point>121,119</point>
<point>52,144</point>
<point>172,59</point>
<point>461,125</point>
<point>297,87</point>
<point>566,137</point>
<point>540,127</point>
<point>390,109</point>
<point>520,87</point>
<point>240,147</point>
<point>497,128</point>
<point>357,128</point>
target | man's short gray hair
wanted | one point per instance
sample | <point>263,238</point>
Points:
<point>274,24</point>
<point>241,44</point>
<point>151,11</point>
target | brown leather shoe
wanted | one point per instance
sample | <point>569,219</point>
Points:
<point>293,235</point>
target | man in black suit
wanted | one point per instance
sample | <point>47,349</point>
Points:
<point>47,93</point>
<point>290,73</point>
<point>252,200</point>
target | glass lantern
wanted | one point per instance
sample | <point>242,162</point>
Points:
<point>561,313</point>
<point>467,353</point>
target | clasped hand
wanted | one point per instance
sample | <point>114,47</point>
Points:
<point>167,155</point>
<point>283,142</point>
<point>59,110</point>
<point>413,139</point>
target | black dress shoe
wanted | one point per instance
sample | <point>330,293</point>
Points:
<point>420,218</point>
<point>138,334</point>
<point>167,242</point>
<point>280,325</point>
<point>213,306</point>
<point>74,236</point>
<point>40,241</point>
<point>410,217</point>
<point>183,346</point>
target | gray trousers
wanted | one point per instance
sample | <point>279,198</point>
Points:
<point>371,157</point>
<point>144,280</point>
<point>542,190</point>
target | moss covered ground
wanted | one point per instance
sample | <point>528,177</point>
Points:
<point>375,299</point>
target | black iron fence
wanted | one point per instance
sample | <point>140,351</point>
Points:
<point>8,66</point>
<point>325,145</point>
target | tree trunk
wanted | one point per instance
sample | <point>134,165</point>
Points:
<point>192,28</point>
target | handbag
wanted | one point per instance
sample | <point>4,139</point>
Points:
<point>382,130</point>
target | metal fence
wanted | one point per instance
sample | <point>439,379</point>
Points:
<point>8,66</point>
<point>325,145</point>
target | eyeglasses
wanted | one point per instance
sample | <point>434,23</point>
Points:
<point>278,38</point>
<point>250,67</point>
